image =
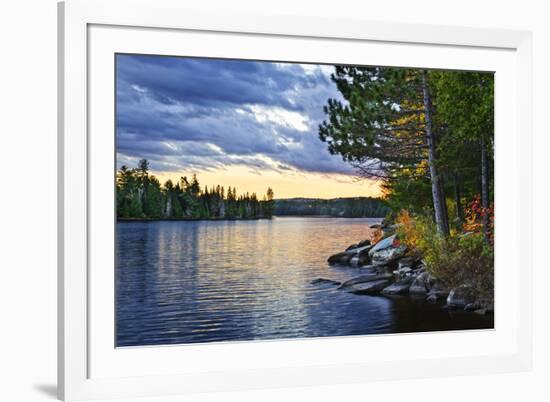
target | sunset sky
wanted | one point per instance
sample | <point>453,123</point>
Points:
<point>241,123</point>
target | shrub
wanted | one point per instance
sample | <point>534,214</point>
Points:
<point>454,260</point>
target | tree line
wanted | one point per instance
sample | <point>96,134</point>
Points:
<point>350,207</point>
<point>139,195</point>
<point>427,134</point>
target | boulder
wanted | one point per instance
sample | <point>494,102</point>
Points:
<point>460,297</point>
<point>432,298</point>
<point>340,258</point>
<point>369,288</point>
<point>387,251</point>
<point>361,258</point>
<point>407,262</point>
<point>364,279</point>
<point>358,249</point>
<point>388,255</point>
<point>402,272</point>
<point>471,307</point>
<point>437,292</point>
<point>382,244</point>
<point>323,280</point>
<point>421,284</point>
<point>399,287</point>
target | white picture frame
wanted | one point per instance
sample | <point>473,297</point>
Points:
<point>90,367</point>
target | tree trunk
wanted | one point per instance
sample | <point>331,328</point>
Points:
<point>484,188</point>
<point>459,210</point>
<point>440,208</point>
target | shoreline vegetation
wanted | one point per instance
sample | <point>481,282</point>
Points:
<point>429,136</point>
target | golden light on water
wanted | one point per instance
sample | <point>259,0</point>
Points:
<point>285,185</point>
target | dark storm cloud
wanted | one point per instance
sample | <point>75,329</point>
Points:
<point>201,114</point>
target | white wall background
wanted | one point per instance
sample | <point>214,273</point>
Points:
<point>28,199</point>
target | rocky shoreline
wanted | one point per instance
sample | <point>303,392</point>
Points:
<point>387,268</point>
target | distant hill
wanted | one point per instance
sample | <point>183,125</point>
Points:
<point>338,207</point>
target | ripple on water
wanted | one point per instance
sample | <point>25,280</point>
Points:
<point>188,282</point>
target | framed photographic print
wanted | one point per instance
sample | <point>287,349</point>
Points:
<point>257,201</point>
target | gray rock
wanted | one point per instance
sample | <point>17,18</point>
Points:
<point>388,255</point>
<point>460,297</point>
<point>437,292</point>
<point>421,284</point>
<point>323,280</point>
<point>471,307</point>
<point>383,244</point>
<point>364,279</point>
<point>358,250</point>
<point>369,288</point>
<point>402,272</point>
<point>432,298</point>
<point>399,287</point>
<point>363,257</point>
<point>407,262</point>
<point>340,258</point>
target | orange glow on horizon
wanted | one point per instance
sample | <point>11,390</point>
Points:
<point>285,185</point>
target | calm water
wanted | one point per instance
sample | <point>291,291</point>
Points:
<point>203,281</point>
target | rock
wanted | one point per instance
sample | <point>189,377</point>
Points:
<point>388,255</point>
<point>460,297</point>
<point>340,258</point>
<point>432,298</point>
<point>409,262</point>
<point>471,307</point>
<point>421,284</point>
<point>387,251</point>
<point>364,279</point>
<point>399,287</point>
<point>323,280</point>
<point>376,270</point>
<point>382,244</point>
<point>437,292</point>
<point>369,269</point>
<point>419,269</point>
<point>369,288</point>
<point>402,272</point>
<point>376,226</point>
<point>357,250</point>
<point>363,257</point>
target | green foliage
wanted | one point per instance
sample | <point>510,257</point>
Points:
<point>140,195</point>
<point>379,128</point>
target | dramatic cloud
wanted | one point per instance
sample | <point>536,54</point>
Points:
<point>190,114</point>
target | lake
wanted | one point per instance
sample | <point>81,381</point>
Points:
<point>203,281</point>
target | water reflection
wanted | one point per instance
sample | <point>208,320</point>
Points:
<point>185,282</point>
